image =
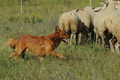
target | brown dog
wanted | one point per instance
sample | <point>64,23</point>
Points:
<point>39,46</point>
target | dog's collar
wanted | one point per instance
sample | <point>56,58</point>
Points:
<point>54,46</point>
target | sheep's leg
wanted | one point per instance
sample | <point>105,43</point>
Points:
<point>112,43</point>
<point>117,47</point>
<point>111,46</point>
<point>81,38</point>
<point>93,35</point>
<point>96,43</point>
<point>99,40</point>
<point>71,38</point>
<point>76,39</point>
<point>103,39</point>
<point>103,42</point>
<point>96,36</point>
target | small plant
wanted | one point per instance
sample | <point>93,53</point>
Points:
<point>8,28</point>
<point>39,20</point>
<point>34,19</point>
<point>13,19</point>
<point>26,19</point>
<point>17,18</point>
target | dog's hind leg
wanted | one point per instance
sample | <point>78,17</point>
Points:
<point>19,51</point>
<point>12,55</point>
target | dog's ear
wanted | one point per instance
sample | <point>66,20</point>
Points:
<point>57,29</point>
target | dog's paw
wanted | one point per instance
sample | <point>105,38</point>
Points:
<point>64,57</point>
<point>41,58</point>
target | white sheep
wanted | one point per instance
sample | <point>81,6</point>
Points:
<point>104,21</point>
<point>111,5</point>
<point>71,24</point>
<point>116,33</point>
<point>98,22</point>
<point>86,20</point>
<point>92,14</point>
<point>87,17</point>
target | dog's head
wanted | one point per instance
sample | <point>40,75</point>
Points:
<point>61,34</point>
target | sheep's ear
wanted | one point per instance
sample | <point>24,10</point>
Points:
<point>101,3</point>
<point>57,29</point>
<point>106,2</point>
<point>93,7</point>
<point>77,10</point>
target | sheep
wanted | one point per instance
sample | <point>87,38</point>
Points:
<point>87,17</point>
<point>105,21</point>
<point>97,21</point>
<point>86,20</point>
<point>115,32</point>
<point>71,24</point>
<point>92,14</point>
<point>108,20</point>
<point>111,5</point>
<point>97,9</point>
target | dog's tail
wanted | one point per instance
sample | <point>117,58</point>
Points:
<point>11,43</point>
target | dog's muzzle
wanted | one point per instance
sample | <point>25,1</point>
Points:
<point>64,40</point>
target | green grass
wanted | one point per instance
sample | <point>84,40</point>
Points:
<point>85,62</point>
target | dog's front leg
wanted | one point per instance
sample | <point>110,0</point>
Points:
<point>57,55</point>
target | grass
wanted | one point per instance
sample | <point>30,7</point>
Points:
<point>85,62</point>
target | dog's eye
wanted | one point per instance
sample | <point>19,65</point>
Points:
<point>63,33</point>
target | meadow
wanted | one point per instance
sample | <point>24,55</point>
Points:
<point>84,62</point>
